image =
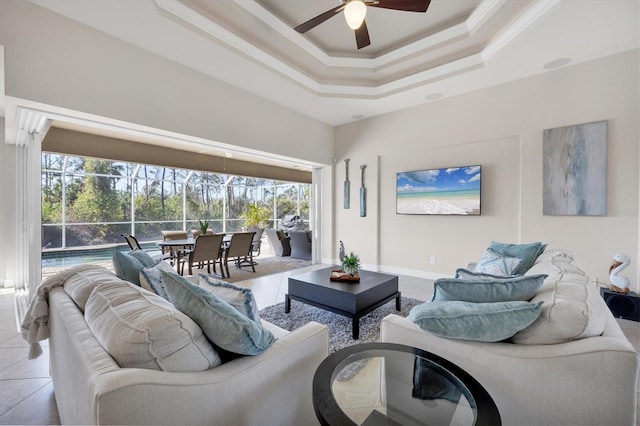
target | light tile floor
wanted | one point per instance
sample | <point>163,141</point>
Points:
<point>26,391</point>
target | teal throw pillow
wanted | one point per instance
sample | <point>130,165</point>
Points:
<point>527,252</point>
<point>465,274</point>
<point>240,298</point>
<point>522,288</point>
<point>494,263</point>
<point>143,257</point>
<point>482,322</point>
<point>127,265</point>
<point>151,278</point>
<point>223,325</point>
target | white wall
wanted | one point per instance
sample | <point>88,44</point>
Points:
<point>57,61</point>
<point>500,128</point>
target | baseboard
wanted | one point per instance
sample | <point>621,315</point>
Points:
<point>417,273</point>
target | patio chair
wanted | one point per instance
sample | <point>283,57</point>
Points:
<point>173,235</point>
<point>239,251</point>
<point>206,251</point>
<point>256,243</point>
<point>135,245</point>
<point>132,241</point>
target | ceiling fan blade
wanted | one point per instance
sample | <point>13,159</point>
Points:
<point>407,5</point>
<point>313,22</point>
<point>362,36</point>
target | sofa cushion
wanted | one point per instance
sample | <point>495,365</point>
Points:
<point>572,306</point>
<point>127,265</point>
<point>521,288</point>
<point>80,285</point>
<point>494,263</point>
<point>140,329</point>
<point>527,252</point>
<point>483,322</point>
<point>240,298</point>
<point>151,278</point>
<point>224,325</point>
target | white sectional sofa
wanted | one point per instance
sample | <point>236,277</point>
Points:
<point>273,388</point>
<point>572,366</point>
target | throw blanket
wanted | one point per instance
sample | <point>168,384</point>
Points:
<point>35,326</point>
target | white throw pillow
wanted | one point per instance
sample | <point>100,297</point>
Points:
<point>140,329</point>
<point>572,307</point>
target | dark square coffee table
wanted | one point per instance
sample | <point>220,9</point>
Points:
<point>353,300</point>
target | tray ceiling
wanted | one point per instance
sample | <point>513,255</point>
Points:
<point>455,47</point>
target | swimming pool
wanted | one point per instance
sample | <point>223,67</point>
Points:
<point>66,258</point>
<point>57,262</point>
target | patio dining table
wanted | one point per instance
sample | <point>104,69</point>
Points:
<point>178,248</point>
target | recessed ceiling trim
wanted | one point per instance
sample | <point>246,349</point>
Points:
<point>477,18</point>
<point>449,35</point>
<point>483,12</point>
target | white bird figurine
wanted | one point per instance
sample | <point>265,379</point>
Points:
<point>619,284</point>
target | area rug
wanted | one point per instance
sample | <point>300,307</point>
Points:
<point>340,332</point>
<point>265,266</point>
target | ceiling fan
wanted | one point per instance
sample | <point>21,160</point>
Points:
<point>355,11</point>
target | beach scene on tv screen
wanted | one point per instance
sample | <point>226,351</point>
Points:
<point>454,190</point>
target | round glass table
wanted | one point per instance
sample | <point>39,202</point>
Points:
<point>389,384</point>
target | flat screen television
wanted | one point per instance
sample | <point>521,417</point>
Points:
<point>446,191</point>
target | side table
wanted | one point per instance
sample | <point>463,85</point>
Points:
<point>403,385</point>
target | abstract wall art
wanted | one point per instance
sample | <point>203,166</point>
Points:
<point>575,170</point>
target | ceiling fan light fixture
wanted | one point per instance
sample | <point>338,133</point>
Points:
<point>354,13</point>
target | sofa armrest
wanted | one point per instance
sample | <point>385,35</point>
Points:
<point>248,390</point>
<point>587,381</point>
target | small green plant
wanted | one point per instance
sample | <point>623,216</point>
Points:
<point>255,216</point>
<point>204,226</point>
<point>351,263</point>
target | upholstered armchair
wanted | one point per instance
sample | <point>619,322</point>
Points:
<point>300,242</point>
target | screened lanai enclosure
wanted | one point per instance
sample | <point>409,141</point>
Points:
<point>89,202</point>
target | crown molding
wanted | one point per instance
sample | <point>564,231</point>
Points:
<point>485,10</point>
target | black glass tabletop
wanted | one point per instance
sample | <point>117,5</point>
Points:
<point>389,384</point>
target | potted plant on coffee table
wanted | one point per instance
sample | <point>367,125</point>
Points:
<point>351,264</point>
<point>349,272</point>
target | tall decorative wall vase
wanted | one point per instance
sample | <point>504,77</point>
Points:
<point>363,194</point>
<point>575,170</point>
<point>347,186</point>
